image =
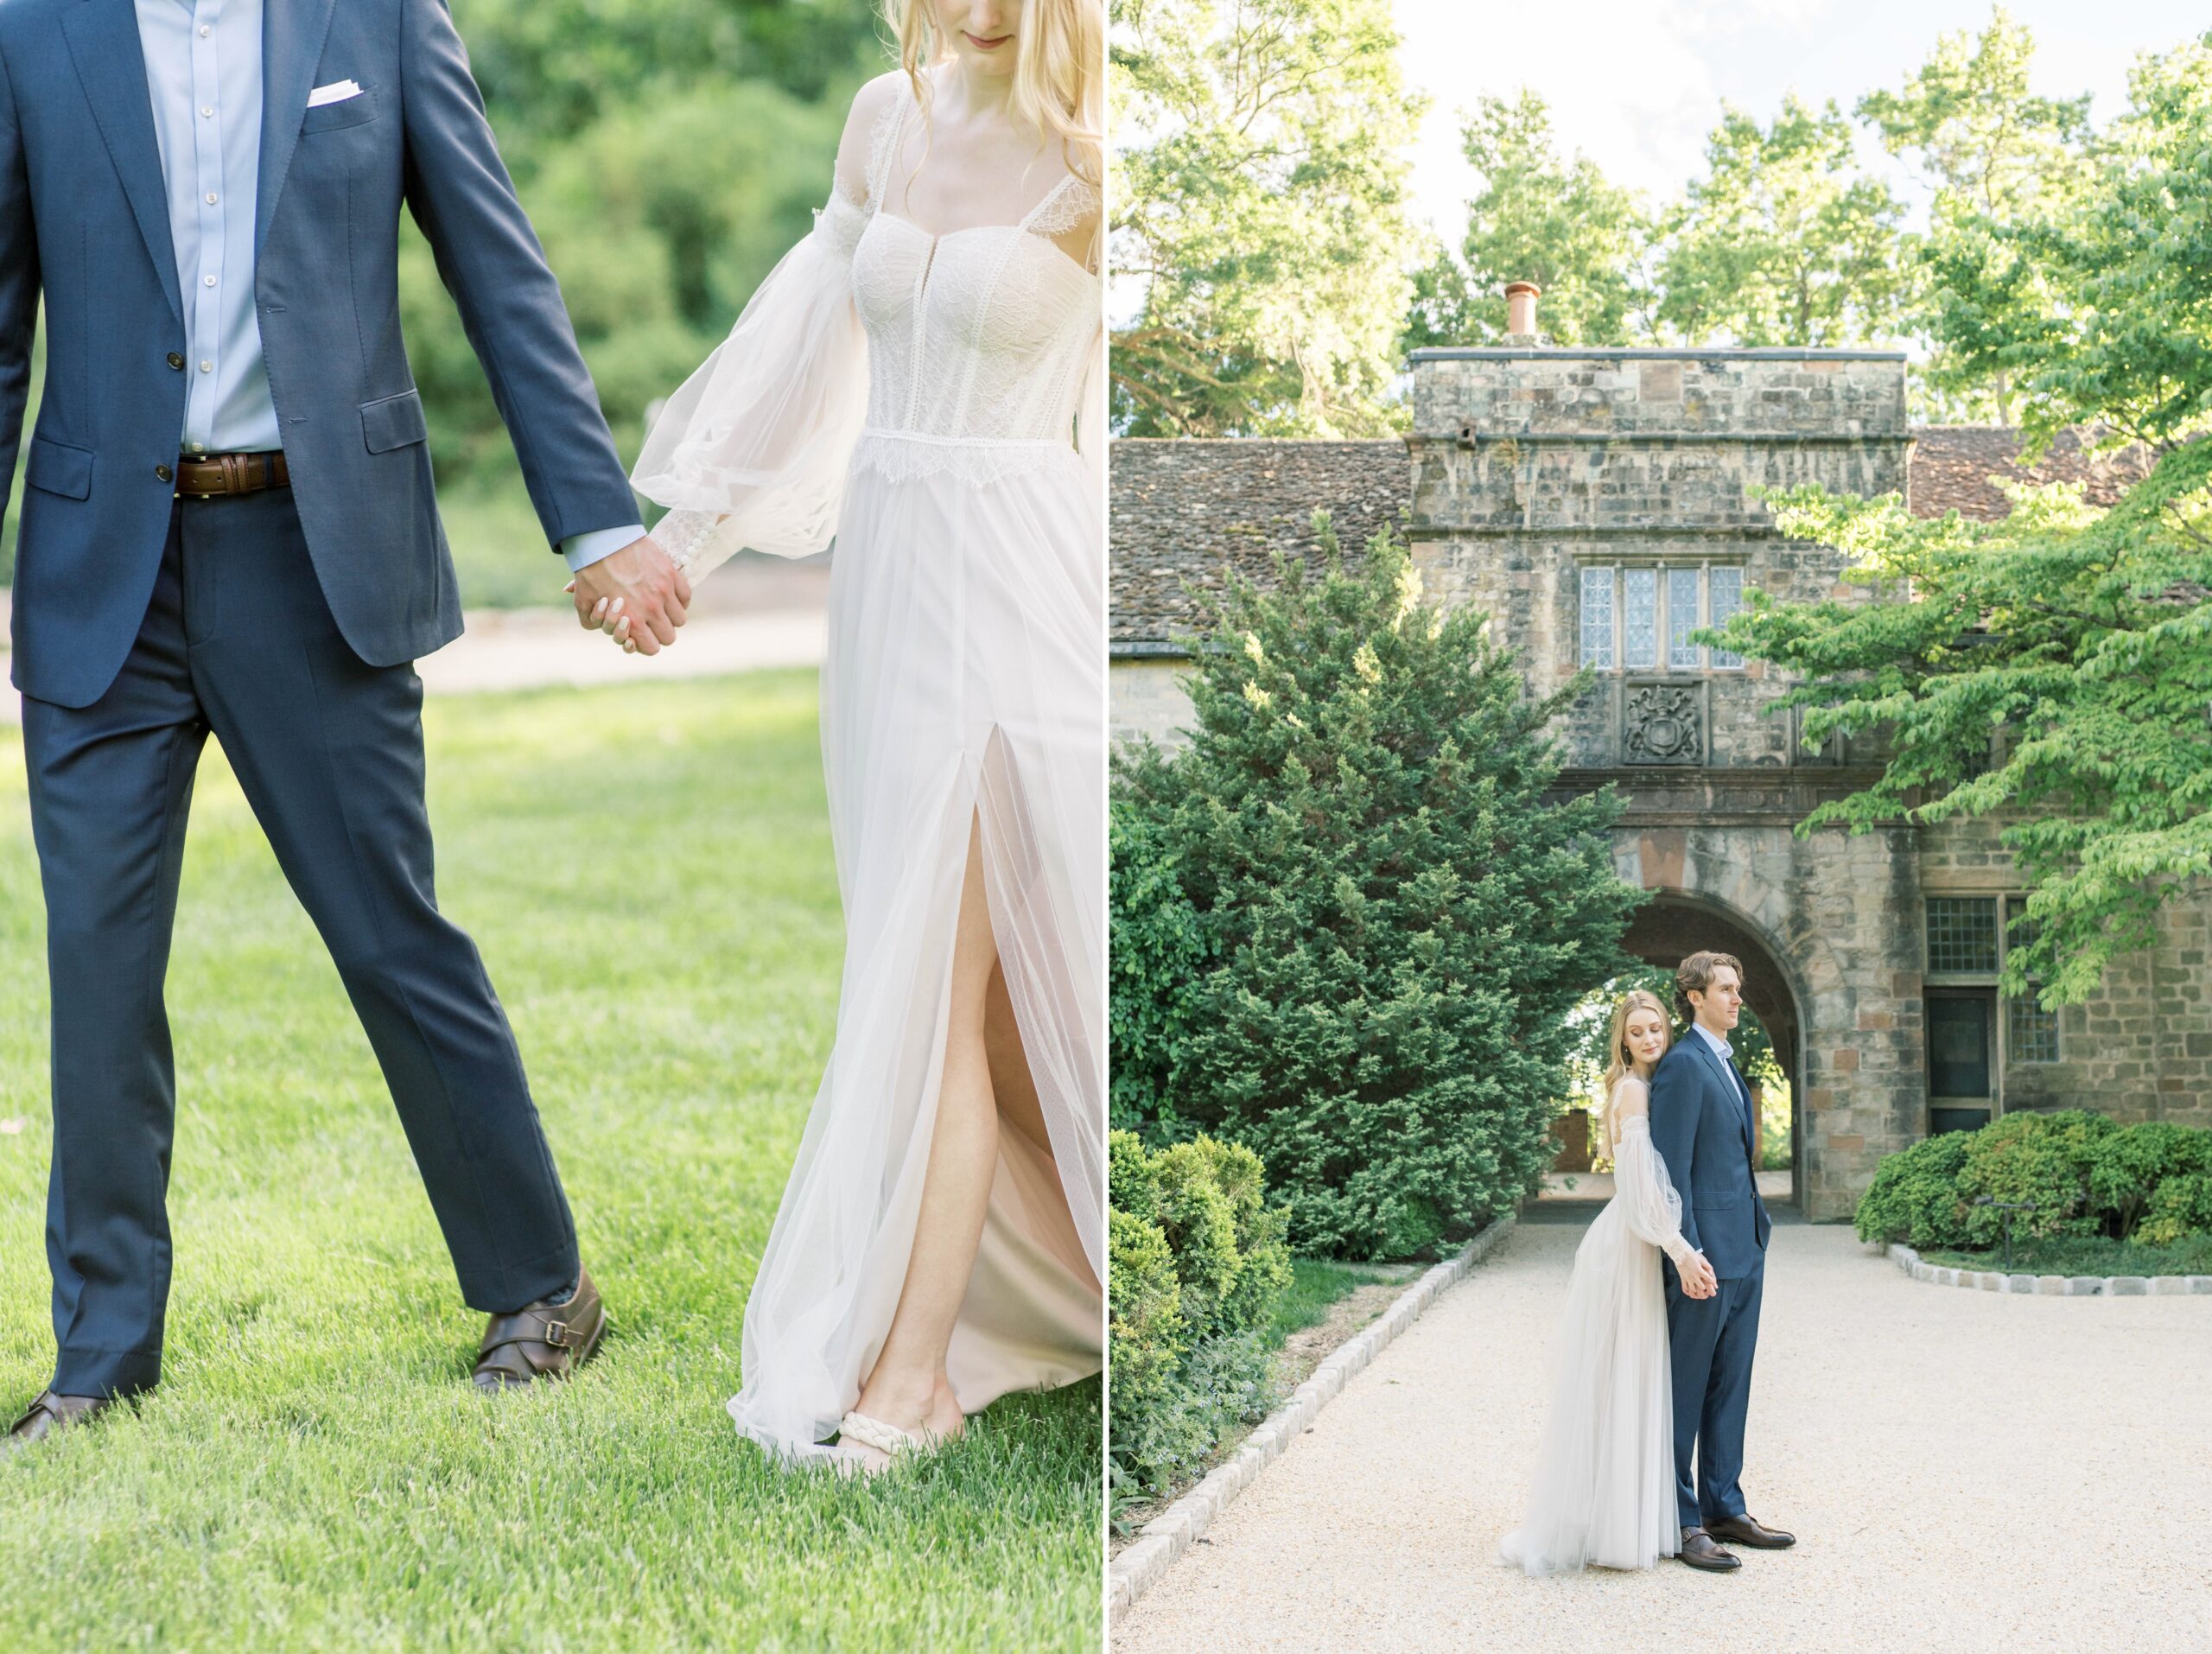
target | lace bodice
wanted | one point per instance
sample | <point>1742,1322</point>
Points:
<point>878,345</point>
<point>978,337</point>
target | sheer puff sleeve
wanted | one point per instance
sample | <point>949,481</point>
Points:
<point>1647,1199</point>
<point>752,450</point>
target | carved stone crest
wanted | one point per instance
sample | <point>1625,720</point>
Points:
<point>1659,725</point>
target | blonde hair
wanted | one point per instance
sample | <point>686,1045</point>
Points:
<point>1059,67</point>
<point>1618,1061</point>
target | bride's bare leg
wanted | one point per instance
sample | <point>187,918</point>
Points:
<point>907,1387</point>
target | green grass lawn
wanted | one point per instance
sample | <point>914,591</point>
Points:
<point>648,872</point>
<point>1316,1285</point>
<point>2093,1255</point>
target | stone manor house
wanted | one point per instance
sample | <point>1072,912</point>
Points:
<point>1594,503</point>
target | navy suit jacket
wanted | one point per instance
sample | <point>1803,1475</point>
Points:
<point>84,221</point>
<point>1702,1130</point>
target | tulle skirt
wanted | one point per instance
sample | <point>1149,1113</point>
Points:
<point>964,681</point>
<point>1602,1492</point>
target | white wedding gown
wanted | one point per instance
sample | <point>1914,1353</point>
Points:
<point>917,395</point>
<point>1603,1490</point>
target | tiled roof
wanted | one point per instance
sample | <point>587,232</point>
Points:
<point>1952,465</point>
<point>1184,509</point>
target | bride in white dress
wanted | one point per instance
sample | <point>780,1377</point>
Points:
<point>923,376</point>
<point>1603,1490</point>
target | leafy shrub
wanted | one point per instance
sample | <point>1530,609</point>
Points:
<point>1196,1261</point>
<point>1357,921</point>
<point>2131,1166</point>
<point>1914,1195</point>
<point>2043,1158</point>
<point>2179,1209</point>
<point>2086,1177</point>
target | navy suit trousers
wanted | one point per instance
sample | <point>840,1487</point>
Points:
<point>1710,1345</point>
<point>239,640</point>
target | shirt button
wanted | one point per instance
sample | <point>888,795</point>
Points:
<point>163,473</point>
<point>176,361</point>
<point>206,112</point>
<point>210,198</point>
<point>204,31</point>
<point>207,281</point>
<point>206,367</point>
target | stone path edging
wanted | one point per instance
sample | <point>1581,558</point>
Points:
<point>2053,1285</point>
<point>1168,1535</point>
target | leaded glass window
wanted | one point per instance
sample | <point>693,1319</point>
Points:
<point>1640,618</point>
<point>1598,618</point>
<point>1726,594</point>
<point>1681,618</point>
<point>2030,1032</point>
<point>1962,933</point>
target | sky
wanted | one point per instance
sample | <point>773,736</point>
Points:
<point>1636,85</point>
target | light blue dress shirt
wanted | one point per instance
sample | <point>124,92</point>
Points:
<point>203,73</point>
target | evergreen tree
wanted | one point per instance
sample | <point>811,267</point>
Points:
<point>1391,918</point>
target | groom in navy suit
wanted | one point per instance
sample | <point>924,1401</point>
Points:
<point>229,526</point>
<point>1703,1128</point>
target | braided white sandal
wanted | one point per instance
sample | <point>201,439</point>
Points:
<point>886,1439</point>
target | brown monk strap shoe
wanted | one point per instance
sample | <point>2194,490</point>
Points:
<point>545,1340</point>
<point>49,1413</point>
<point>1699,1550</point>
<point>1742,1531</point>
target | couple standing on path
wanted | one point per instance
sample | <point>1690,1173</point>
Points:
<point>229,526</point>
<point>1644,1452</point>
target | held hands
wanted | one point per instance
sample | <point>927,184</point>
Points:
<point>637,596</point>
<point>1698,1279</point>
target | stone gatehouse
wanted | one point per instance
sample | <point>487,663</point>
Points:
<point>1595,504</point>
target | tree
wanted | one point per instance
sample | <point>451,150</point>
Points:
<point>1558,222</point>
<point>2099,303</point>
<point>2078,643</point>
<point>1996,154</point>
<point>1394,920</point>
<point>668,152</point>
<point>1785,241</point>
<point>1259,202</point>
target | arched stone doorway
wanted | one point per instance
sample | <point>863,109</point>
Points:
<point>1672,926</point>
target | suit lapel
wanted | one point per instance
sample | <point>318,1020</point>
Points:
<point>111,67</point>
<point>1739,1094</point>
<point>292,34</point>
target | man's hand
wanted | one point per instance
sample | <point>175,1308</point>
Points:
<point>1698,1279</point>
<point>637,596</point>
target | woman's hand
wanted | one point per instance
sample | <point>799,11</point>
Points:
<point>1698,1279</point>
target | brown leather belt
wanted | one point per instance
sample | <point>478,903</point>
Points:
<point>200,476</point>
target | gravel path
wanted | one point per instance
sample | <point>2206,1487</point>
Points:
<point>1964,1471</point>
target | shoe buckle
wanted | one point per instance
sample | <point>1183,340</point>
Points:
<point>556,1333</point>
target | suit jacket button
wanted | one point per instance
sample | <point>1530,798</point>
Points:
<point>163,473</point>
<point>176,361</point>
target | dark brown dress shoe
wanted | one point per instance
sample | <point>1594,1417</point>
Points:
<point>545,1340</point>
<point>1742,1531</point>
<point>1699,1550</point>
<point>49,1413</point>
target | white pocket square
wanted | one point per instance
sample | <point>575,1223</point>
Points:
<point>336,93</point>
